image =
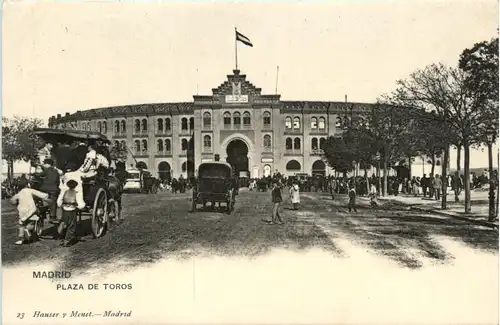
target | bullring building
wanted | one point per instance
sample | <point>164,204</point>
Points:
<point>256,133</point>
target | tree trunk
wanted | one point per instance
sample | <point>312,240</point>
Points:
<point>384,193</point>
<point>433,167</point>
<point>467,176</point>
<point>459,159</point>
<point>10,170</point>
<point>444,177</point>
<point>379,178</point>
<point>491,194</point>
<point>409,167</point>
<point>367,181</point>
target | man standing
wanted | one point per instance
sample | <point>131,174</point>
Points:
<point>276,199</point>
<point>456,184</point>
<point>50,185</point>
<point>425,184</point>
<point>437,184</point>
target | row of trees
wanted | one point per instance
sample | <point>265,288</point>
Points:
<point>433,109</point>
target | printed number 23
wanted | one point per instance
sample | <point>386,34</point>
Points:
<point>20,315</point>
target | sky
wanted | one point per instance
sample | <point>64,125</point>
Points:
<point>63,57</point>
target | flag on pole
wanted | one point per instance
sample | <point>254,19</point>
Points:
<point>243,39</point>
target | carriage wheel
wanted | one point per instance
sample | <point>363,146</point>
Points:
<point>38,228</point>
<point>113,210</point>
<point>99,214</point>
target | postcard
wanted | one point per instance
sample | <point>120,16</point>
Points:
<point>242,162</point>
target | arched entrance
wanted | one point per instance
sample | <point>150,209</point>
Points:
<point>237,155</point>
<point>319,168</point>
<point>164,171</point>
<point>293,166</point>
<point>141,165</point>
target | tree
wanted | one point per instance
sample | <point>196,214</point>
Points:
<point>118,152</point>
<point>19,141</point>
<point>338,154</point>
<point>444,89</point>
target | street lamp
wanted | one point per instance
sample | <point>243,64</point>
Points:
<point>493,179</point>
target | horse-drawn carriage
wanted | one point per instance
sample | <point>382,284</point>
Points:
<point>141,181</point>
<point>101,193</point>
<point>216,182</point>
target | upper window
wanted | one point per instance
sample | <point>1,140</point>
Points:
<point>246,118</point>
<point>207,142</point>
<point>160,145</point>
<point>314,123</point>
<point>288,144</point>
<point>184,123</point>
<point>137,125</point>
<point>322,143</point>
<point>296,144</point>
<point>137,146</point>
<point>207,120</point>
<point>267,141</point>
<point>296,123</point>
<point>321,124</point>
<point>159,125</point>
<point>191,123</point>
<point>236,119</point>
<point>144,125</point>
<point>104,127</point>
<point>117,127</point>
<point>184,144</point>
<point>123,126</point>
<point>144,146</point>
<point>314,144</point>
<point>168,124</point>
<point>168,146</point>
<point>227,119</point>
<point>267,118</point>
<point>288,122</point>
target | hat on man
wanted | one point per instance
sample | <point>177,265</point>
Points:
<point>49,161</point>
<point>72,183</point>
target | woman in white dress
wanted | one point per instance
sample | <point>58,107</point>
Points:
<point>295,195</point>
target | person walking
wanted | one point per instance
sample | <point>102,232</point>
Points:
<point>352,198</point>
<point>69,201</point>
<point>276,198</point>
<point>437,184</point>
<point>295,195</point>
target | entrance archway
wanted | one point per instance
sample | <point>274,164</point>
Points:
<point>164,171</point>
<point>141,165</point>
<point>237,155</point>
<point>319,168</point>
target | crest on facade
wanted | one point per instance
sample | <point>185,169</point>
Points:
<point>236,88</point>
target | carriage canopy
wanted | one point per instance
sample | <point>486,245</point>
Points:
<point>219,170</point>
<point>63,135</point>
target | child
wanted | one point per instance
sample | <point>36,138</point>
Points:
<point>352,198</point>
<point>373,196</point>
<point>69,201</point>
<point>27,209</point>
<point>295,195</point>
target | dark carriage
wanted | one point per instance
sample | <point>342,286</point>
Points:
<point>101,193</point>
<point>216,183</point>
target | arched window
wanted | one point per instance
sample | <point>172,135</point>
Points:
<point>314,123</point>
<point>288,122</point>
<point>322,143</point>
<point>246,119</point>
<point>267,142</point>
<point>314,144</point>
<point>159,125</point>
<point>159,145</point>
<point>227,120</point>
<point>288,144</point>
<point>137,146</point>
<point>296,123</point>
<point>144,146</point>
<point>99,127</point>
<point>267,119</point>
<point>184,167</point>
<point>184,123</point>
<point>164,170</point>
<point>296,144</point>
<point>338,122</point>
<point>207,142</point>
<point>168,125</point>
<point>124,126</point>
<point>267,170</point>
<point>168,145</point>
<point>117,127</point>
<point>137,126</point>
<point>321,124</point>
<point>104,127</point>
<point>293,165</point>
<point>184,144</point>
<point>123,145</point>
<point>191,123</point>
<point>144,125</point>
<point>237,119</point>
<point>207,120</point>
<point>116,144</point>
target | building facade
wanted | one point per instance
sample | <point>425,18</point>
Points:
<point>255,132</point>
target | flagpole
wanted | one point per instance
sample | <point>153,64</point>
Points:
<point>236,47</point>
<point>277,73</point>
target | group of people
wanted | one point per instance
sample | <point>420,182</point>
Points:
<point>58,184</point>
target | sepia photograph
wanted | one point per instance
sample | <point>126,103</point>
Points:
<point>245,162</point>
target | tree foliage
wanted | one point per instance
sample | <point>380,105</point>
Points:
<point>338,154</point>
<point>18,140</point>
